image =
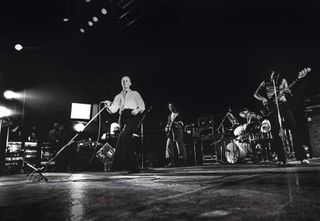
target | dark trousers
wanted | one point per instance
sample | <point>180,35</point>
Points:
<point>125,157</point>
<point>289,123</point>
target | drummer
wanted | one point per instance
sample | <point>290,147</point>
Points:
<point>253,120</point>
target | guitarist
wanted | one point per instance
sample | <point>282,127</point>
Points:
<point>175,148</point>
<point>265,93</point>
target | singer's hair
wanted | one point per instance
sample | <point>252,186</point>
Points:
<point>276,77</point>
<point>174,107</point>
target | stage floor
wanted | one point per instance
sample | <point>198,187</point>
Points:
<point>216,192</point>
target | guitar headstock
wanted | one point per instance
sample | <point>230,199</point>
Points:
<point>304,72</point>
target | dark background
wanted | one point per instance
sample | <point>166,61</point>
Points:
<point>206,55</point>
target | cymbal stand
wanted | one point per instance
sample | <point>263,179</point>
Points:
<point>222,121</point>
<point>43,169</point>
<point>223,134</point>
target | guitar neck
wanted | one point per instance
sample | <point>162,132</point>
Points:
<point>293,83</point>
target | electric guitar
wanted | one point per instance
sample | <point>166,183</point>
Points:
<point>172,124</point>
<point>269,107</point>
<point>169,130</point>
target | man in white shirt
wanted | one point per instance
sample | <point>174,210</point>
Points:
<point>130,105</point>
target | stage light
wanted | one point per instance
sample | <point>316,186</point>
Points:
<point>104,11</point>
<point>82,30</point>
<point>95,19</point>
<point>79,126</point>
<point>5,112</point>
<point>12,95</point>
<point>66,19</point>
<point>18,47</point>
<point>90,23</point>
<point>80,111</point>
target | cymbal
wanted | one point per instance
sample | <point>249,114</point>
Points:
<point>246,114</point>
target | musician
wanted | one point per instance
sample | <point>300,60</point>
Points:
<point>232,119</point>
<point>176,152</point>
<point>265,93</point>
<point>130,106</point>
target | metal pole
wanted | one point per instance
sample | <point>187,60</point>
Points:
<point>2,163</point>
<point>141,142</point>
<point>23,110</point>
<point>0,126</point>
<point>280,123</point>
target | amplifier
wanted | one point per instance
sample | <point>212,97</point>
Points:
<point>312,113</point>
<point>205,122</point>
<point>314,134</point>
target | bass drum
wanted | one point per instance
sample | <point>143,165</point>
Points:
<point>236,151</point>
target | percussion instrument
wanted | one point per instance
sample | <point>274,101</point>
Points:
<point>240,130</point>
<point>265,126</point>
<point>247,114</point>
<point>236,151</point>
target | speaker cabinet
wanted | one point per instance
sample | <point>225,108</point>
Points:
<point>312,114</point>
<point>314,134</point>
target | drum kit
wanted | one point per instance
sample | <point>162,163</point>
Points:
<point>246,136</point>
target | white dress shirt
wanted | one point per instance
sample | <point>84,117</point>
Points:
<point>127,100</point>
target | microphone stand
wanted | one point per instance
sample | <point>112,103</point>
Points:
<point>223,134</point>
<point>221,124</point>
<point>140,124</point>
<point>42,169</point>
<point>280,123</point>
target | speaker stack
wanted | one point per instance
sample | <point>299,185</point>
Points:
<point>312,114</point>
